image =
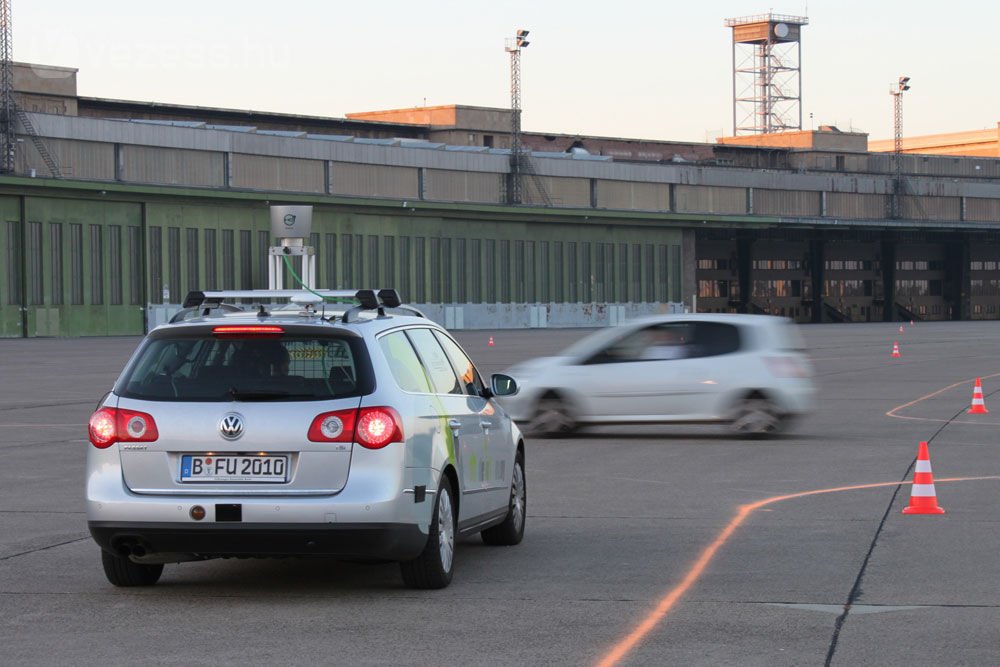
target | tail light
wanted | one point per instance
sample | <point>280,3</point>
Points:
<point>333,426</point>
<point>786,367</point>
<point>110,425</point>
<point>373,428</point>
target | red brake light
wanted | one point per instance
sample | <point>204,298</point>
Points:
<point>377,427</point>
<point>373,428</point>
<point>248,330</point>
<point>110,425</point>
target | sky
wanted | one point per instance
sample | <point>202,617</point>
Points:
<point>651,69</point>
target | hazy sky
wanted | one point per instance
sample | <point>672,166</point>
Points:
<point>629,68</point>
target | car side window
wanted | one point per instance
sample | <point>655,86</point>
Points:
<point>404,364</point>
<point>436,362</point>
<point>672,340</point>
<point>710,339</point>
<point>467,372</point>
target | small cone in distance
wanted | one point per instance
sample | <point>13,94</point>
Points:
<point>491,343</point>
<point>923,497</point>
<point>895,351</point>
<point>978,406</point>
<point>900,328</point>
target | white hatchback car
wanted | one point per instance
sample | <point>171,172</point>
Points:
<point>749,371</point>
<point>293,432</point>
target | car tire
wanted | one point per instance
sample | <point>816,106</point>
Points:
<point>435,564</point>
<point>511,530</point>
<point>121,571</point>
<point>756,417</point>
<point>552,418</point>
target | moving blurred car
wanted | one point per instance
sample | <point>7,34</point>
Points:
<point>291,432</point>
<point>748,371</point>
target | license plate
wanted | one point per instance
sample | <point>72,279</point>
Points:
<point>234,468</point>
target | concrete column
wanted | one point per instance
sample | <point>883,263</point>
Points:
<point>816,266</point>
<point>744,250</point>
<point>888,255</point>
<point>957,285</point>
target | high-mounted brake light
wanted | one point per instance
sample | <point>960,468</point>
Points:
<point>373,428</point>
<point>110,425</point>
<point>248,330</point>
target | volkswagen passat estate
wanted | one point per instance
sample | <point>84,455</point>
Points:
<point>747,371</point>
<point>286,432</point>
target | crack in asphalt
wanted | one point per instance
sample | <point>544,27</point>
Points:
<point>45,405</point>
<point>852,597</point>
<point>50,546</point>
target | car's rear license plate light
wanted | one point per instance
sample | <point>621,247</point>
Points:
<point>233,468</point>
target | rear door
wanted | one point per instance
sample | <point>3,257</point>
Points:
<point>498,447</point>
<point>464,424</point>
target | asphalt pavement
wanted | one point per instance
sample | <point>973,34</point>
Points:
<point>644,545</point>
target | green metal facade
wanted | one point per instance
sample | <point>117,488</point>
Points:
<point>86,259</point>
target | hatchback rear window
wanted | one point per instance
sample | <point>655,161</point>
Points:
<point>207,368</point>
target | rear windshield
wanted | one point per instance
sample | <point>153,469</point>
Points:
<point>206,368</point>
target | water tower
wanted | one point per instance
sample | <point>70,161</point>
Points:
<point>767,91</point>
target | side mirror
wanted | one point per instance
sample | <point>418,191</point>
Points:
<point>503,385</point>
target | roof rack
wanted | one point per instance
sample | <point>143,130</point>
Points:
<point>206,301</point>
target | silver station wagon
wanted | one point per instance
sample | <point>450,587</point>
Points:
<point>288,431</point>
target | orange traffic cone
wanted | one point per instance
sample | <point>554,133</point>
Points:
<point>491,343</point>
<point>978,406</point>
<point>911,323</point>
<point>895,350</point>
<point>900,328</point>
<point>923,498</point>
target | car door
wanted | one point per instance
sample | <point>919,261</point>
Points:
<point>463,422</point>
<point>498,451</point>
<point>646,375</point>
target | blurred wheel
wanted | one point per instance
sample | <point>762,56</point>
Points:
<point>551,419</point>
<point>756,417</point>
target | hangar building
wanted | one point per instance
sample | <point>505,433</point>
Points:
<point>117,207</point>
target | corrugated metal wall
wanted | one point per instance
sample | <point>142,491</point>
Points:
<point>262,172</point>
<point>982,209</point>
<point>629,195</point>
<point>462,186</point>
<point>930,208</point>
<point>370,180</point>
<point>573,192</point>
<point>710,199</point>
<point>786,202</point>
<point>90,160</point>
<point>172,166</point>
<point>857,206</point>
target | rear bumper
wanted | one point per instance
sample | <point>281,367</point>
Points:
<point>380,541</point>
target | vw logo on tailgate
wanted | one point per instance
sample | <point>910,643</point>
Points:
<point>231,426</point>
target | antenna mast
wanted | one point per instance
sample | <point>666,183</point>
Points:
<point>7,108</point>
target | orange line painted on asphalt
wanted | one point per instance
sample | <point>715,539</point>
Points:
<point>666,604</point>
<point>892,412</point>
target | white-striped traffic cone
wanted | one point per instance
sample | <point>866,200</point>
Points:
<point>923,497</point>
<point>895,351</point>
<point>978,406</point>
